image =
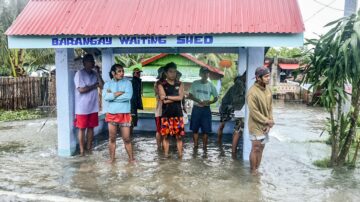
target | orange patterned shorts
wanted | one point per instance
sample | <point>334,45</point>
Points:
<point>172,126</point>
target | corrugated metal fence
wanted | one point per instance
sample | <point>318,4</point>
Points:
<point>27,92</point>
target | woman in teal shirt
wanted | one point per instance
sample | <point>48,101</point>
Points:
<point>117,94</point>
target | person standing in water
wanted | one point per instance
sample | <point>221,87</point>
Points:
<point>158,110</point>
<point>233,101</point>
<point>136,100</point>
<point>87,80</point>
<point>259,100</point>
<point>117,93</point>
<point>171,94</point>
<point>201,92</point>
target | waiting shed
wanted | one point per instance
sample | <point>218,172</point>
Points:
<point>152,26</point>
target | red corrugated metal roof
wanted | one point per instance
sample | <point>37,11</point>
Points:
<point>157,17</point>
<point>288,66</point>
<point>196,61</point>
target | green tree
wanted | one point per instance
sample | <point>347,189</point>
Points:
<point>131,59</point>
<point>19,61</point>
<point>334,64</point>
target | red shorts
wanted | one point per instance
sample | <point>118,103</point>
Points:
<point>119,119</point>
<point>158,124</point>
<point>86,120</point>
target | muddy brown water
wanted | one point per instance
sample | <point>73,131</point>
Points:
<point>30,169</point>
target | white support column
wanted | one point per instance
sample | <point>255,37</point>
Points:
<point>218,86</point>
<point>242,60</point>
<point>65,99</point>
<point>255,58</point>
<point>107,62</point>
<point>350,7</point>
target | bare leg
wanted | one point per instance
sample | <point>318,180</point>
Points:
<point>235,142</point>
<point>89,139</point>
<point>205,141</point>
<point>112,141</point>
<point>158,140</point>
<point>254,156</point>
<point>179,144</point>
<point>262,146</point>
<point>220,132</point>
<point>196,139</point>
<point>81,138</point>
<point>166,145</point>
<point>125,132</point>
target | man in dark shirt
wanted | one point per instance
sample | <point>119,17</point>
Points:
<point>233,101</point>
<point>136,101</point>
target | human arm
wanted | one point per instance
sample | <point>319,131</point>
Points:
<point>99,78</point>
<point>87,89</point>
<point>215,95</point>
<point>126,94</point>
<point>81,86</point>
<point>108,94</point>
<point>164,97</point>
<point>255,111</point>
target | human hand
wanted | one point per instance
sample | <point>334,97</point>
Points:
<point>266,130</point>
<point>95,85</point>
<point>117,94</point>
<point>270,123</point>
<point>207,103</point>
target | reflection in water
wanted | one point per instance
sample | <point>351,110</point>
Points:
<point>30,167</point>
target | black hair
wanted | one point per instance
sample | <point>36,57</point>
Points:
<point>169,65</point>
<point>88,57</point>
<point>238,78</point>
<point>113,69</point>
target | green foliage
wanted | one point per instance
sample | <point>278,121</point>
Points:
<point>324,163</point>
<point>214,59</point>
<point>335,63</point>
<point>129,60</point>
<point>284,52</point>
<point>18,62</point>
<point>20,115</point>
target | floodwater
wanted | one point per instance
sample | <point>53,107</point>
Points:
<point>31,171</point>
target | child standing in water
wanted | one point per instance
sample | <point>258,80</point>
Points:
<point>171,94</point>
<point>117,93</point>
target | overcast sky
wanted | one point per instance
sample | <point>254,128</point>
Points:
<point>316,14</point>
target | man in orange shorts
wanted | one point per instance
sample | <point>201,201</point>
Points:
<point>87,81</point>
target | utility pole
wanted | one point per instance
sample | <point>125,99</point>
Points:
<point>350,7</point>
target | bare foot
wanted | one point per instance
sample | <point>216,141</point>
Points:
<point>110,161</point>
<point>255,172</point>
<point>81,154</point>
<point>132,161</point>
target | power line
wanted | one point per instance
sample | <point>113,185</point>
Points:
<point>321,9</point>
<point>323,4</point>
